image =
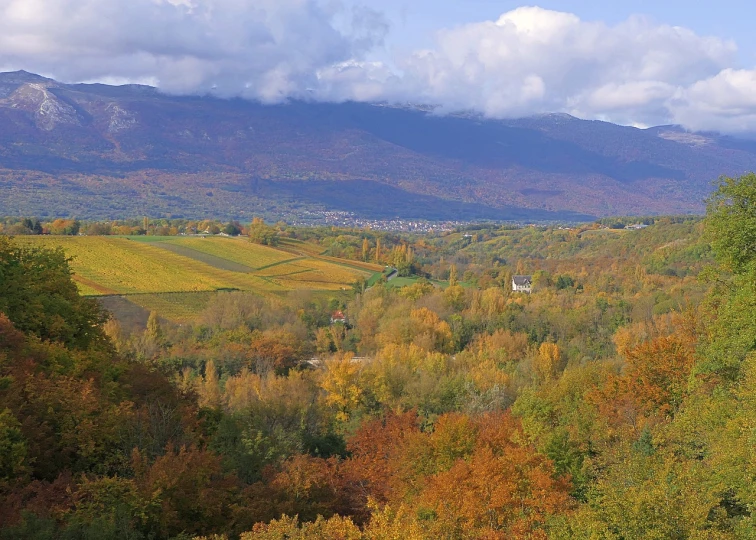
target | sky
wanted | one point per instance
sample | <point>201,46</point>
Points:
<point>631,62</point>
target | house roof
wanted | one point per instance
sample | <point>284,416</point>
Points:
<point>521,280</point>
<point>338,315</point>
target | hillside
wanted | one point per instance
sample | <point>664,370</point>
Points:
<point>177,276</point>
<point>102,151</point>
<point>614,401</point>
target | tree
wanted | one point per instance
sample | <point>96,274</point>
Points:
<point>65,227</point>
<point>32,225</point>
<point>731,221</point>
<point>209,389</point>
<point>340,382</point>
<point>232,229</point>
<point>731,229</point>
<point>547,360</point>
<point>564,282</point>
<point>365,249</point>
<point>187,490</point>
<point>377,250</point>
<point>39,296</point>
<point>12,447</point>
<point>154,330</point>
<point>453,276</point>
<point>260,233</point>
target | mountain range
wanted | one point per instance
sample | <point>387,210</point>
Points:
<point>99,151</point>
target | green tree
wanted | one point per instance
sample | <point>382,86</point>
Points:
<point>39,296</point>
<point>232,229</point>
<point>564,282</point>
<point>12,447</point>
<point>731,229</point>
<point>731,222</point>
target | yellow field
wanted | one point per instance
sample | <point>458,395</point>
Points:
<point>121,266</point>
<point>237,250</point>
<point>176,307</point>
<point>159,279</point>
<point>299,247</point>
<point>311,274</point>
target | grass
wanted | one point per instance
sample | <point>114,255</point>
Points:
<point>212,260</point>
<point>298,246</point>
<point>237,250</point>
<point>176,307</point>
<point>121,266</point>
<point>312,273</point>
<point>402,282</point>
<point>176,276</point>
<point>399,282</point>
<point>147,239</point>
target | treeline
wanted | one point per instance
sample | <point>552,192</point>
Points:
<point>145,226</point>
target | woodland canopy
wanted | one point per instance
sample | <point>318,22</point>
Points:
<point>617,401</point>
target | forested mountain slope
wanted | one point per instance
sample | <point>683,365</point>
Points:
<point>104,151</point>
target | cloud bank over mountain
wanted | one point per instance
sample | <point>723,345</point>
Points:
<point>528,61</point>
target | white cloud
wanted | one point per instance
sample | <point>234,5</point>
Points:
<point>726,101</point>
<point>530,60</point>
<point>264,49</point>
<point>533,60</point>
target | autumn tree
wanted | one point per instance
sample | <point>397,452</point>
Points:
<point>186,489</point>
<point>68,227</point>
<point>453,276</point>
<point>547,360</point>
<point>260,233</point>
<point>341,386</point>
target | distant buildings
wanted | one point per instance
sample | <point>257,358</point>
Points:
<point>522,284</point>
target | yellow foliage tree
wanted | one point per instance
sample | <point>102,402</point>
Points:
<point>209,389</point>
<point>242,390</point>
<point>547,360</point>
<point>453,276</point>
<point>341,384</point>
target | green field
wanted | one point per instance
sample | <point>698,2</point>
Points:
<point>176,276</point>
<point>399,282</point>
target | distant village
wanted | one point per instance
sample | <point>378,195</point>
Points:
<point>351,220</point>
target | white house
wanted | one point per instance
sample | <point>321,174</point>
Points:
<point>522,284</point>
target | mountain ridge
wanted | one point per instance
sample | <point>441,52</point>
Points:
<point>60,143</point>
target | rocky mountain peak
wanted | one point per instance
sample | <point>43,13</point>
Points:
<point>11,80</point>
<point>47,108</point>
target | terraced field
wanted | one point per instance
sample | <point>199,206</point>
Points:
<point>177,276</point>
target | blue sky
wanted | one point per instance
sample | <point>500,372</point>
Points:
<point>414,22</point>
<point>638,62</point>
